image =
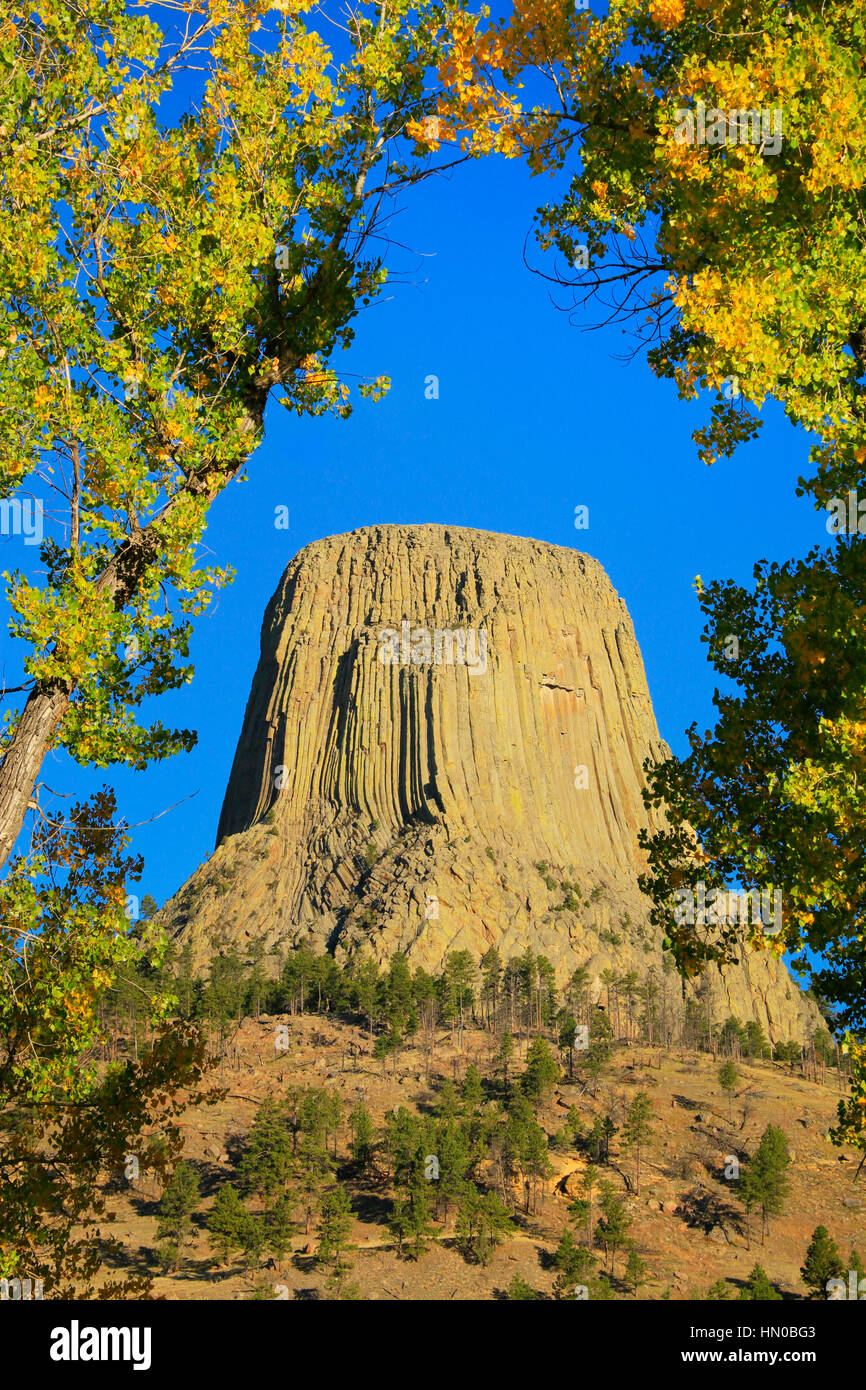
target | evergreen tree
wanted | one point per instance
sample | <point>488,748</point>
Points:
<point>757,1043</point>
<point>718,1293</point>
<point>729,1079</point>
<point>614,1224</point>
<point>635,1269</point>
<point>363,1135</point>
<point>455,1160</point>
<point>541,1074</point>
<point>520,1292</point>
<point>637,1130</point>
<point>410,1218</point>
<point>491,983</point>
<point>575,1266</point>
<point>759,1288</point>
<point>472,1091</point>
<point>177,1204</point>
<point>482,1222</point>
<point>506,1052</point>
<point>766,1177</point>
<point>253,1237</point>
<point>281,1226</point>
<point>266,1164</point>
<point>225,1222</point>
<point>822,1262</point>
<point>335,1224</point>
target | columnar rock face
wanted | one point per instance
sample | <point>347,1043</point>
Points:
<point>443,750</point>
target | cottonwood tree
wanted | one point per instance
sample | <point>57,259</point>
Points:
<point>159,284</point>
<point>66,1120</point>
<point>737,261</point>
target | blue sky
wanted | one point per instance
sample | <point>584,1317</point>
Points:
<point>533,418</point>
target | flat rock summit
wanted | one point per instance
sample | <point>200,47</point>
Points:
<point>443,750</point>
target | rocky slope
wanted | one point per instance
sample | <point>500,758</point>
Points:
<point>443,750</point>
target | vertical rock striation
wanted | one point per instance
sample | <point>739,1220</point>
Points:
<point>443,750</point>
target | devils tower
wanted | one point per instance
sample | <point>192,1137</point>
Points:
<point>443,750</point>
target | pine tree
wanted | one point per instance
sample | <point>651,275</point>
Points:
<point>335,1225</point>
<point>635,1269</point>
<point>281,1226</point>
<point>482,1222</point>
<point>225,1222</point>
<point>472,1091</point>
<point>541,1075</point>
<point>637,1130</point>
<point>177,1204</point>
<point>266,1164</point>
<point>363,1135</point>
<point>718,1293</point>
<point>766,1177</point>
<point>613,1227</point>
<point>729,1079</point>
<point>253,1236</point>
<point>759,1288</point>
<point>520,1292</point>
<point>575,1264</point>
<point>506,1052</point>
<point>822,1262</point>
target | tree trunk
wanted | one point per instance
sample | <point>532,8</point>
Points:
<point>43,711</point>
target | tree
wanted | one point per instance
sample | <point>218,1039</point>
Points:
<point>635,1269</point>
<point>267,1158</point>
<point>822,1262</point>
<point>253,1239</point>
<point>582,1208</point>
<point>226,1221</point>
<point>575,1264</point>
<point>335,1223</point>
<point>66,1122</point>
<point>410,1217</point>
<point>851,1112</point>
<point>506,1052</point>
<point>363,1134</point>
<point>614,1224</point>
<point>281,1226</point>
<point>773,796</point>
<point>765,1180</point>
<point>163,283</point>
<point>729,1079</point>
<point>520,1292</point>
<point>176,1206</point>
<point>541,1074</point>
<point>719,1292</point>
<point>759,1288</point>
<point>472,1091</point>
<point>637,1130</point>
<point>594,1058</point>
<point>757,1044</point>
<point>482,1222</point>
